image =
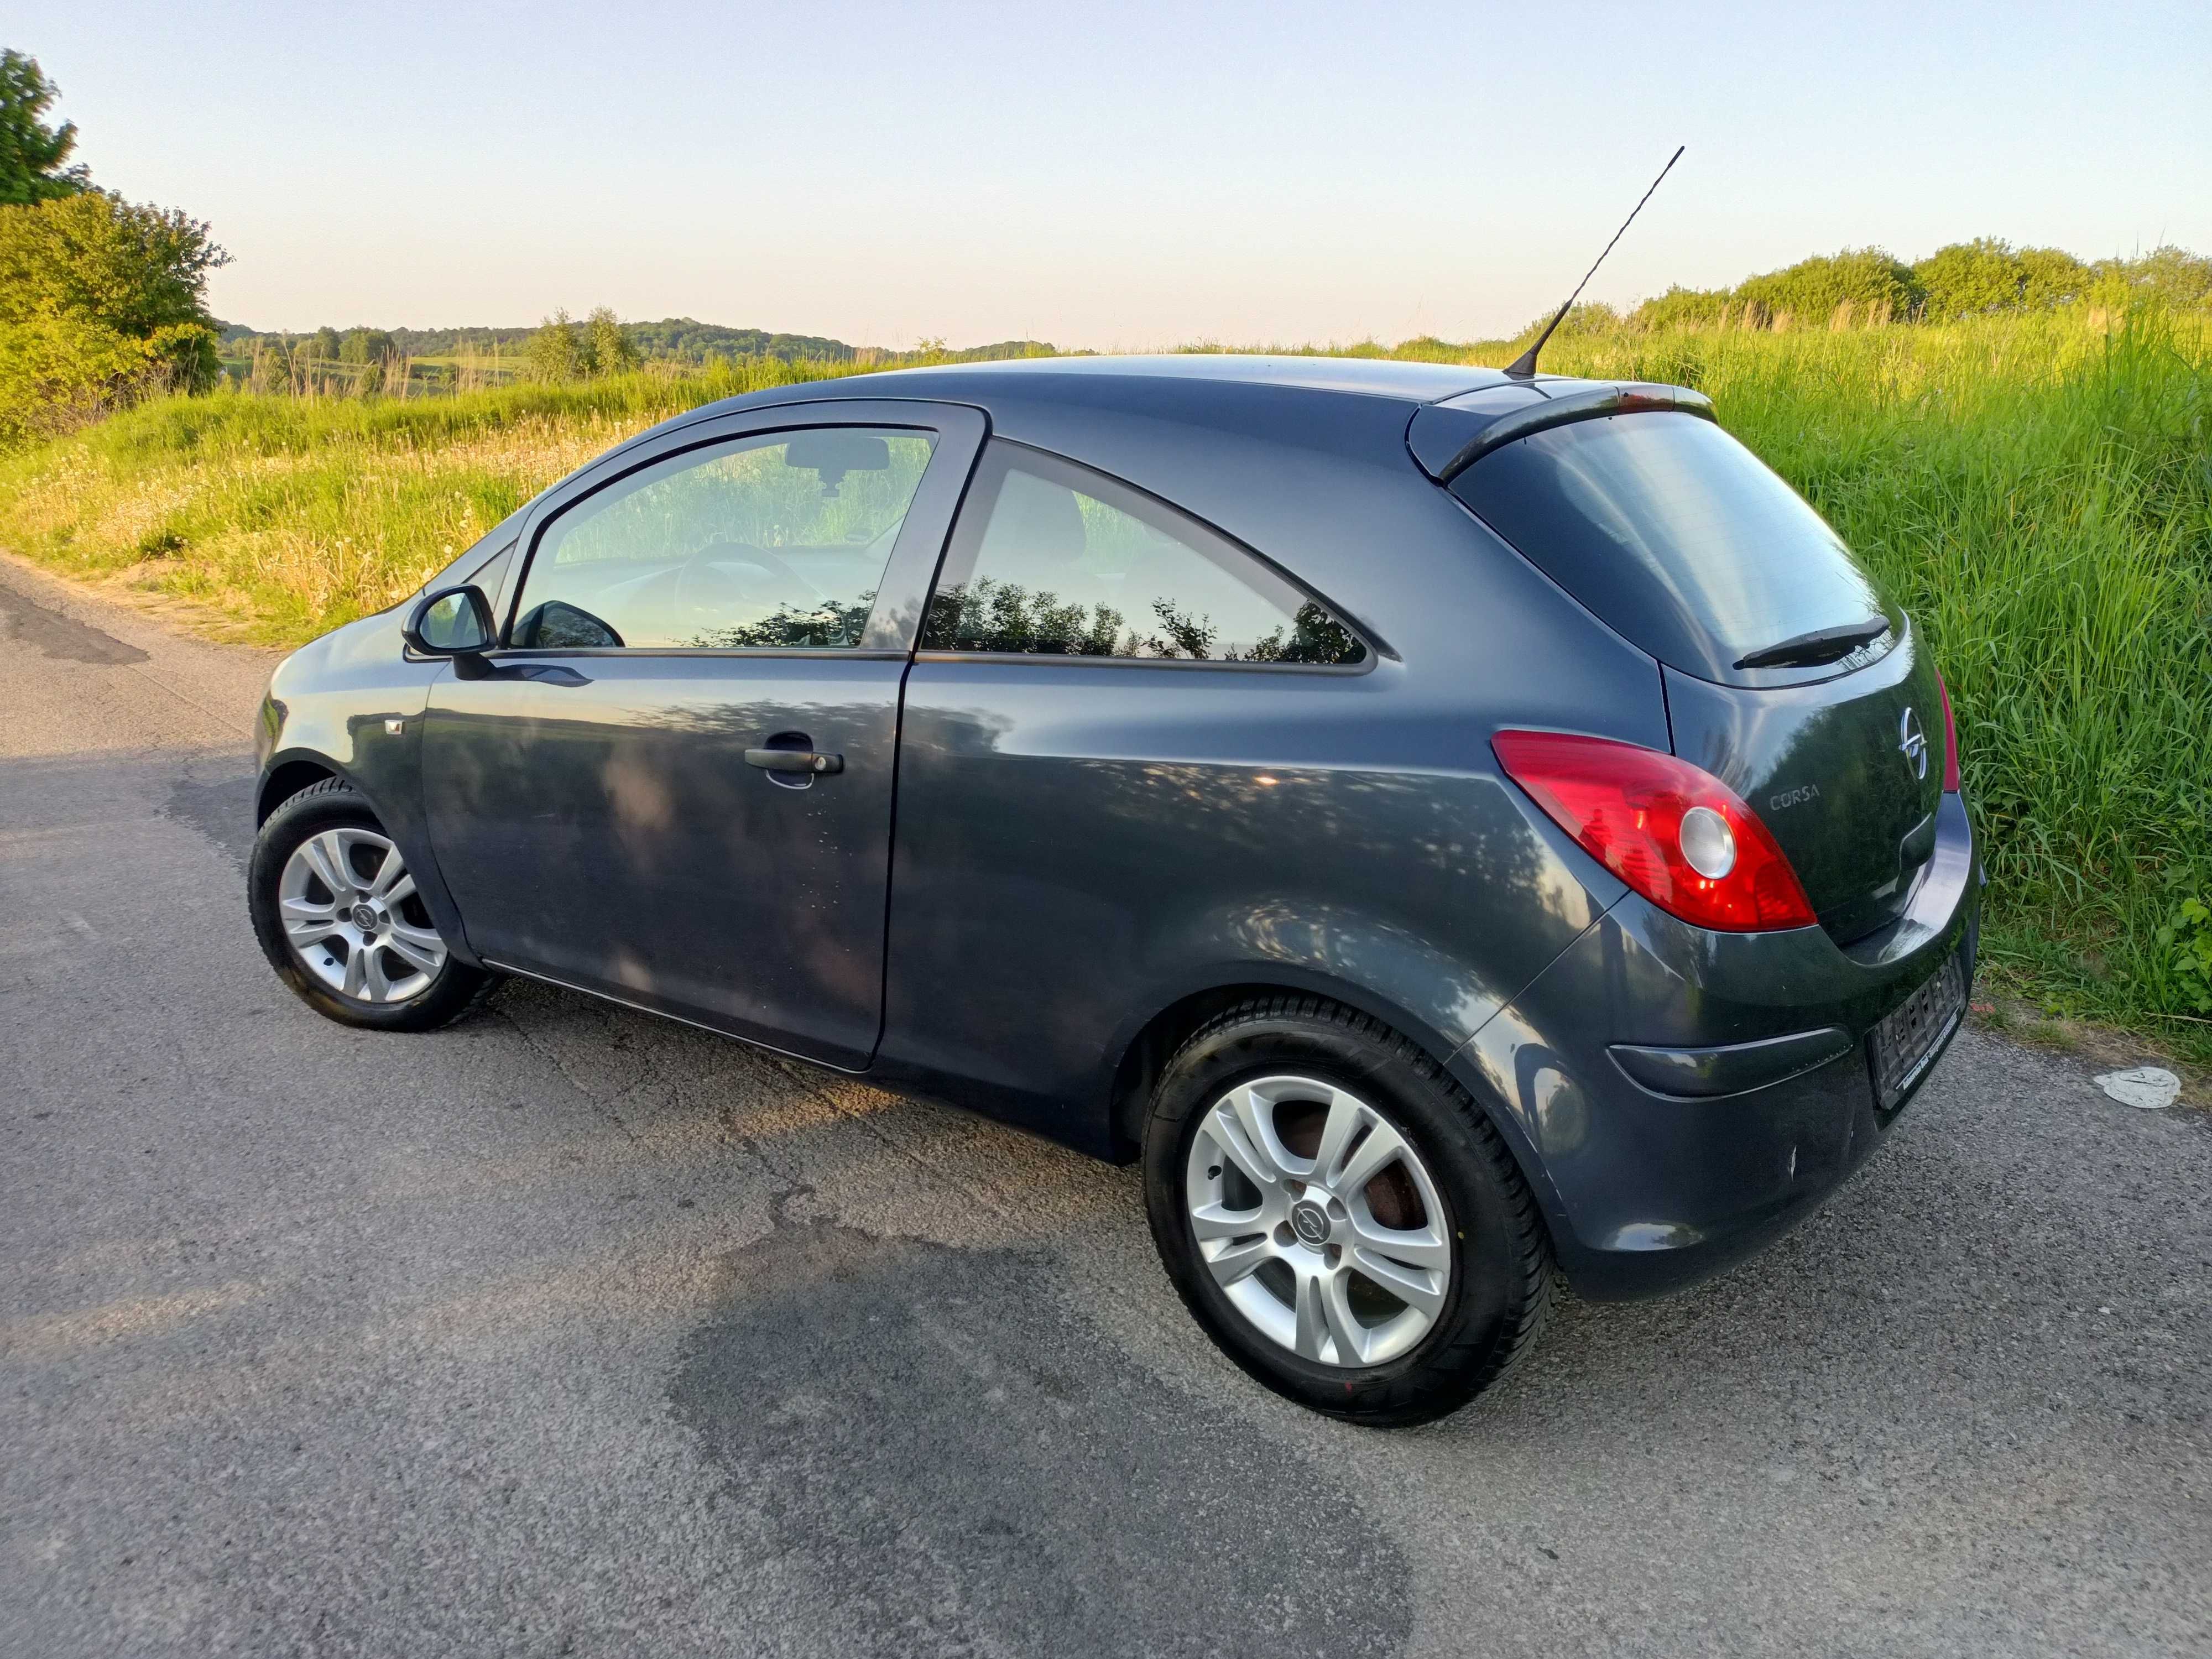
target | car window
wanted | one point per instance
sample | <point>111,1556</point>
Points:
<point>482,564</point>
<point>487,575</point>
<point>1675,534</point>
<point>778,540</point>
<point>1052,558</point>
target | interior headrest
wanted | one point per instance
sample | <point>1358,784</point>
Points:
<point>1035,522</point>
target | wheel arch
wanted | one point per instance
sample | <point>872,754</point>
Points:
<point>283,778</point>
<point>289,771</point>
<point>1145,1046</point>
<point>1142,1050</point>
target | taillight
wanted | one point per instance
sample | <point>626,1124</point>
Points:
<point>1950,739</point>
<point>1677,835</point>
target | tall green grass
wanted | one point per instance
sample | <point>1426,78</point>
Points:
<point>2036,492</point>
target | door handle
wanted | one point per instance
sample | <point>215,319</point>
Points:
<point>795,760</point>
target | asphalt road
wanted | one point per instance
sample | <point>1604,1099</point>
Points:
<point>567,1331</point>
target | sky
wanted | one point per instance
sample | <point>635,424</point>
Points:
<point>1119,177</point>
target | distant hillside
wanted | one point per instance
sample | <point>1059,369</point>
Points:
<point>672,339</point>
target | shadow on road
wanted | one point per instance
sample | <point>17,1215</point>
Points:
<point>954,1456</point>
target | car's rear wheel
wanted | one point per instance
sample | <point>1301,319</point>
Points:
<point>339,917</point>
<point>1340,1216</point>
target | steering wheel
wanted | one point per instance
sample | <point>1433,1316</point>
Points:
<point>701,587</point>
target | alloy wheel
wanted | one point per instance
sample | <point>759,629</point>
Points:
<point>353,918</point>
<point>1319,1221</point>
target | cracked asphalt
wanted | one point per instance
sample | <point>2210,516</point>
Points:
<point>570,1332</point>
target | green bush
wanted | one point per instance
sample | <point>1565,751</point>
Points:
<point>100,303</point>
<point>1873,284</point>
<point>1684,308</point>
<point>2189,937</point>
<point>1985,277</point>
<point>1980,278</point>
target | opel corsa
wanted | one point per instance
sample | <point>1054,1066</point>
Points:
<point>1454,830</point>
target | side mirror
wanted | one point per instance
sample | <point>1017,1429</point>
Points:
<point>455,621</point>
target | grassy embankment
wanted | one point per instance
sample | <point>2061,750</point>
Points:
<point>2036,492</point>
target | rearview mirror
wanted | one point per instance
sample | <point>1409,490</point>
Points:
<point>455,621</point>
<point>833,452</point>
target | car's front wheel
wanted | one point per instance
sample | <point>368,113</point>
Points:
<point>337,912</point>
<point>1339,1214</point>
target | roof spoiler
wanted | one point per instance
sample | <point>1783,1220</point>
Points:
<point>1447,437</point>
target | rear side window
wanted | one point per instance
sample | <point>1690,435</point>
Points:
<point>1051,558</point>
<point>1676,535</point>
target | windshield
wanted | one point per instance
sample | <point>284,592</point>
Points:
<point>1679,537</point>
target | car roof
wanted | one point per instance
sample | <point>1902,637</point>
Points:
<point>1370,407</point>
<point>1339,403</point>
<point>1372,377</point>
<point>1181,380</point>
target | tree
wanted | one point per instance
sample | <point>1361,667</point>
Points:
<point>608,349</point>
<point>556,351</point>
<point>323,347</point>
<point>365,345</point>
<point>139,270</point>
<point>372,350</point>
<point>101,301</point>
<point>32,154</point>
<point>272,366</point>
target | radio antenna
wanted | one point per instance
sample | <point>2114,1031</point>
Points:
<point>1524,367</point>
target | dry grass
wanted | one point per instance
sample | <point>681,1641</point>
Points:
<point>291,515</point>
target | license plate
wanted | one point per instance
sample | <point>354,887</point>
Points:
<point>1903,1044</point>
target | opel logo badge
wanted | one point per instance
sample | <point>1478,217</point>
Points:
<point>1311,1223</point>
<point>1913,743</point>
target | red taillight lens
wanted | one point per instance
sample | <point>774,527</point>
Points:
<point>1649,818</point>
<point>1950,739</point>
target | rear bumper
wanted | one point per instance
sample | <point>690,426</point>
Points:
<point>1633,1075</point>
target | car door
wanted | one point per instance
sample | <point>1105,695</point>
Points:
<point>672,783</point>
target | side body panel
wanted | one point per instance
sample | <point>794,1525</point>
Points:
<point>1080,844</point>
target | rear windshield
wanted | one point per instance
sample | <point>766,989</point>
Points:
<point>1676,535</point>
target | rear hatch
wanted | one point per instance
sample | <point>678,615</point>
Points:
<point>1789,676</point>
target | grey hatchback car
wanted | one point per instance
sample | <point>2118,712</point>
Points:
<point>1456,830</point>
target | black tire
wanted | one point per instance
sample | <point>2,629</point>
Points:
<point>1500,1291</point>
<point>332,805</point>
